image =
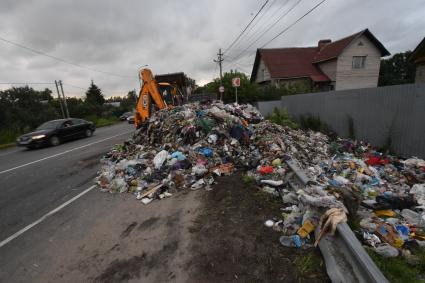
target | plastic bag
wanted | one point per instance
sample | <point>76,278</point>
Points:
<point>119,185</point>
<point>199,170</point>
<point>178,155</point>
<point>212,138</point>
<point>410,216</point>
<point>205,151</point>
<point>418,190</point>
<point>386,250</point>
<point>160,158</point>
<point>266,170</point>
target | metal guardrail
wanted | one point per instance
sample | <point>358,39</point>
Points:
<point>345,258</point>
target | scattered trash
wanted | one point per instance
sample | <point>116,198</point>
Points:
<point>187,147</point>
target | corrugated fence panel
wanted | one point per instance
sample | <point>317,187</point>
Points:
<point>392,115</point>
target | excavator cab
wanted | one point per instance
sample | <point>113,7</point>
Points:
<point>166,91</point>
<point>170,94</point>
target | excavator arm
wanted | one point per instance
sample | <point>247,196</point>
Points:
<point>148,95</point>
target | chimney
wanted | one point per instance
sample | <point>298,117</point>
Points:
<point>322,43</point>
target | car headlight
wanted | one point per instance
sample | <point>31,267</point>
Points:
<point>38,137</point>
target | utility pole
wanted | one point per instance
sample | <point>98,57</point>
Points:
<point>64,99</point>
<point>60,99</point>
<point>135,96</point>
<point>219,61</point>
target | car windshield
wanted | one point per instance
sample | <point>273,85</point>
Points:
<point>50,125</point>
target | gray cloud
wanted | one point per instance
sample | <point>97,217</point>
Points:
<point>170,36</point>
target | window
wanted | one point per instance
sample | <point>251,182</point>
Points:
<point>263,72</point>
<point>78,121</point>
<point>359,62</point>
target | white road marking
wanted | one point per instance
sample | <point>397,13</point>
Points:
<point>44,217</point>
<point>61,153</point>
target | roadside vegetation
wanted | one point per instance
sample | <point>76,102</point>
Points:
<point>22,109</point>
<point>281,117</point>
<point>410,268</point>
<point>250,92</point>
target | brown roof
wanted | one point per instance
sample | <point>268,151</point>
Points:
<point>292,63</point>
<point>301,62</point>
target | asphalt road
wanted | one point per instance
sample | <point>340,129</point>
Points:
<point>33,182</point>
<point>99,237</point>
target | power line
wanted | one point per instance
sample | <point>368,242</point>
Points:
<point>294,23</point>
<point>254,24</point>
<point>75,86</point>
<point>61,60</point>
<point>2,83</point>
<point>271,26</point>
<point>65,84</point>
<point>239,36</point>
<point>266,23</point>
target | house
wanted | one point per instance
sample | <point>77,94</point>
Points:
<point>348,63</point>
<point>418,58</point>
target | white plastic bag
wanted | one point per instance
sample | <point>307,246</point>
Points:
<point>160,158</point>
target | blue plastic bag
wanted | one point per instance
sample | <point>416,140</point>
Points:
<point>205,151</point>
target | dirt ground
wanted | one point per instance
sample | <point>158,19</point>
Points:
<point>231,244</point>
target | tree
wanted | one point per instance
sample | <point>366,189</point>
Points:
<point>129,103</point>
<point>246,92</point>
<point>23,108</point>
<point>397,70</point>
<point>94,95</point>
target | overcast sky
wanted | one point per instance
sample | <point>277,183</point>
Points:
<point>171,36</point>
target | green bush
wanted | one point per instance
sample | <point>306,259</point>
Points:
<point>101,122</point>
<point>281,117</point>
<point>8,136</point>
<point>315,124</point>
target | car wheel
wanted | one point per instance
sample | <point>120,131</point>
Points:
<point>54,140</point>
<point>88,133</point>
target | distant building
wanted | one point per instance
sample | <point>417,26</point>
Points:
<point>418,58</point>
<point>349,63</point>
<point>113,103</point>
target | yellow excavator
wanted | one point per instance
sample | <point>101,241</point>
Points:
<point>154,96</point>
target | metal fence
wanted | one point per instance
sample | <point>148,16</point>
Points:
<point>392,115</point>
<point>202,97</point>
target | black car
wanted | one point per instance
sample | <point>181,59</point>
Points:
<point>56,131</point>
<point>124,116</point>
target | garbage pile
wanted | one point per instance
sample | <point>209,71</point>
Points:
<point>187,147</point>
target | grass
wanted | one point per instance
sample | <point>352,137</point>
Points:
<point>398,269</point>
<point>102,122</point>
<point>307,263</point>
<point>8,138</point>
<point>6,145</point>
<point>248,179</point>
